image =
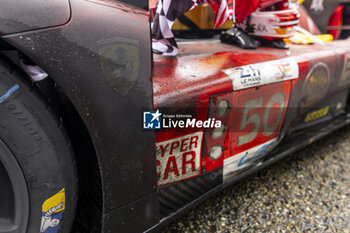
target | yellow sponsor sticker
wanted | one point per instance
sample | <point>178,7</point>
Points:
<point>52,212</point>
<point>316,114</point>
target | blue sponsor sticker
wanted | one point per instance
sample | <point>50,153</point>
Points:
<point>246,159</point>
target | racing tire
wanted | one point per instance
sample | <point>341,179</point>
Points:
<point>38,178</point>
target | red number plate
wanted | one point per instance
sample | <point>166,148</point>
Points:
<point>258,117</point>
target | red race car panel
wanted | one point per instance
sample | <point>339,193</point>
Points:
<point>257,120</point>
<point>254,118</point>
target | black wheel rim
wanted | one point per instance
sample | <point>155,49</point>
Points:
<point>14,200</point>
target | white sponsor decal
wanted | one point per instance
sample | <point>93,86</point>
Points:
<point>243,159</point>
<point>345,76</point>
<point>263,73</point>
<point>179,158</point>
<point>317,6</point>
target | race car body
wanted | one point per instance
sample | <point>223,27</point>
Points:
<point>277,101</point>
<point>222,113</point>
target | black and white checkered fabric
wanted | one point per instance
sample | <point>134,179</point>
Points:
<point>163,18</point>
<point>164,15</point>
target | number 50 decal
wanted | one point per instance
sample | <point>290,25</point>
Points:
<point>280,100</point>
<point>259,116</point>
<point>277,98</point>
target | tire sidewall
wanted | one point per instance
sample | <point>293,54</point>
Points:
<point>40,147</point>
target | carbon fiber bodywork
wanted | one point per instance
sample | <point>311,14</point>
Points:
<point>174,197</point>
<point>77,56</point>
<point>33,15</point>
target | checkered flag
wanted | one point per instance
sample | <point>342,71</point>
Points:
<point>163,17</point>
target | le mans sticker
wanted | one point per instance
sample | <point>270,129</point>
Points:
<point>263,73</point>
<point>52,211</point>
<point>179,158</point>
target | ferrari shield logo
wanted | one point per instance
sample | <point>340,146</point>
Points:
<point>120,63</point>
